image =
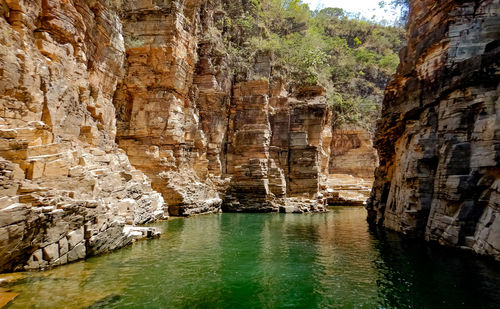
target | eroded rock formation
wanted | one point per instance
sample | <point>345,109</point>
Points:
<point>352,153</point>
<point>277,148</point>
<point>158,119</point>
<point>438,140</point>
<point>207,141</point>
<point>66,191</point>
<point>111,121</point>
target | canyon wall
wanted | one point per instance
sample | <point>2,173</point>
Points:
<point>278,148</point>
<point>352,152</point>
<point>207,141</point>
<point>119,113</point>
<point>438,139</point>
<point>67,191</point>
<point>159,123</point>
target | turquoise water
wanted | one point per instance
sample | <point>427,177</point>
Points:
<point>327,260</point>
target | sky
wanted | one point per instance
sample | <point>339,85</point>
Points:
<point>367,8</point>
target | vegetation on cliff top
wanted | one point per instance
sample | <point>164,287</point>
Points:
<point>352,59</point>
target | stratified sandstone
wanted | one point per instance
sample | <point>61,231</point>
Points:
<point>352,153</point>
<point>347,190</point>
<point>78,82</point>
<point>353,161</point>
<point>438,140</point>
<point>248,159</point>
<point>275,149</point>
<point>208,143</point>
<point>66,190</point>
<point>158,118</point>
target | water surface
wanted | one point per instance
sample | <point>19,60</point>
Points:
<point>327,260</point>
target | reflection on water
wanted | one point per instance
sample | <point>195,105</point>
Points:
<point>268,261</point>
<point>414,275</point>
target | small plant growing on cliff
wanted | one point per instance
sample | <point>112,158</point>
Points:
<point>117,5</point>
<point>212,34</point>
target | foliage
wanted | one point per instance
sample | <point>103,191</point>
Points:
<point>403,6</point>
<point>133,42</point>
<point>351,58</point>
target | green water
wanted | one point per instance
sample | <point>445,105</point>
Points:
<point>268,261</point>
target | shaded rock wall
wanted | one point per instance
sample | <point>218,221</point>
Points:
<point>439,137</point>
<point>66,191</point>
<point>352,153</point>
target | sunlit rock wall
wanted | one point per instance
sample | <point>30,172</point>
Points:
<point>276,149</point>
<point>66,190</point>
<point>205,141</point>
<point>438,139</point>
<point>158,116</point>
<point>117,113</point>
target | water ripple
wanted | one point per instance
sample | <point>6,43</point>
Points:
<point>268,261</point>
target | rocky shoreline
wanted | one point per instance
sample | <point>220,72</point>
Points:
<point>110,119</point>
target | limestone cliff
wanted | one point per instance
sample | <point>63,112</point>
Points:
<point>352,152</point>
<point>118,113</point>
<point>66,190</point>
<point>438,139</point>
<point>208,141</point>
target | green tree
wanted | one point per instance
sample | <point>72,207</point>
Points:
<point>352,58</point>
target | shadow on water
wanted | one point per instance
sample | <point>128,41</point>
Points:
<point>415,274</point>
<point>330,260</point>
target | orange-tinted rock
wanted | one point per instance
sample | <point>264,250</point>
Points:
<point>352,153</point>
<point>275,148</point>
<point>77,82</point>
<point>248,160</point>
<point>158,120</point>
<point>61,170</point>
<point>202,140</point>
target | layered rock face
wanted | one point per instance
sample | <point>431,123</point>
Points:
<point>438,140</point>
<point>352,153</point>
<point>158,118</point>
<point>209,143</point>
<point>66,191</point>
<point>276,149</point>
<point>107,122</point>
<point>353,161</point>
